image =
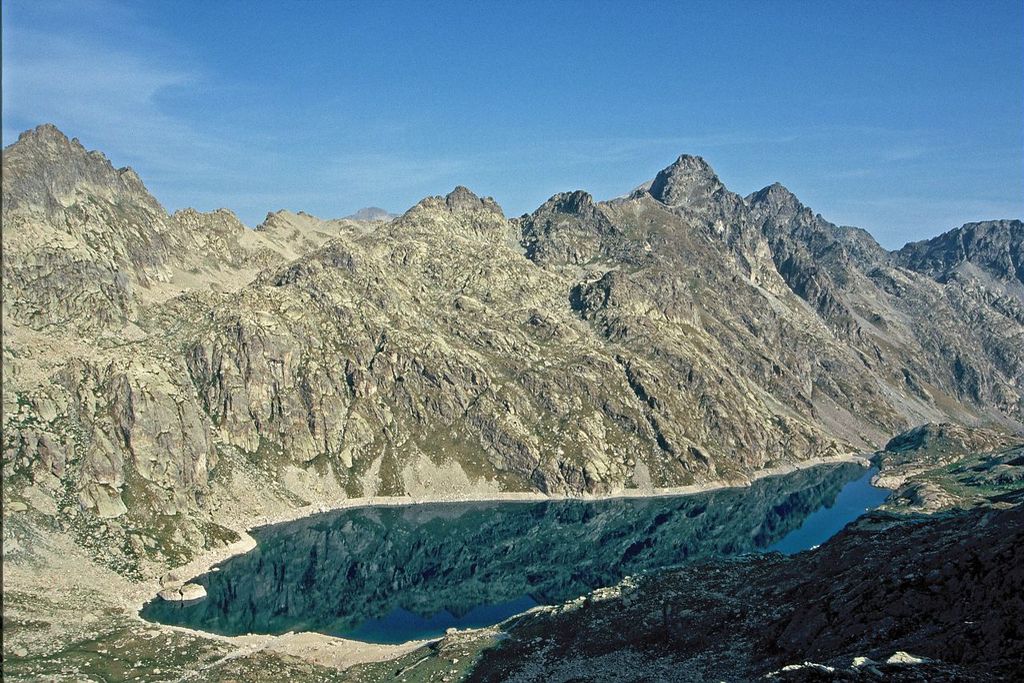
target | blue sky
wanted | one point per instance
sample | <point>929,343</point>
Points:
<point>904,118</point>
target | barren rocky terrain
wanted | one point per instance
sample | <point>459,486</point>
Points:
<point>170,380</point>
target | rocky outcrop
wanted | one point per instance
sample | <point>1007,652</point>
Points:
<point>190,592</point>
<point>80,237</point>
<point>568,228</point>
<point>46,172</point>
<point>691,183</point>
<point>944,443</point>
<point>940,466</point>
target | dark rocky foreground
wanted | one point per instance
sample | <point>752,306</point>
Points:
<point>939,596</point>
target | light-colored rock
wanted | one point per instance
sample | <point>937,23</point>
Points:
<point>185,593</point>
<point>192,591</point>
<point>40,500</point>
<point>171,580</point>
<point>900,657</point>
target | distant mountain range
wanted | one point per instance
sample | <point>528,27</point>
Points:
<point>157,364</point>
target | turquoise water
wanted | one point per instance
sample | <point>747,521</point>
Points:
<point>856,498</point>
<point>392,574</point>
<point>400,625</point>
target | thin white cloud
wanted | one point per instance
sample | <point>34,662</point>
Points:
<point>105,96</point>
<point>111,98</point>
<point>391,172</point>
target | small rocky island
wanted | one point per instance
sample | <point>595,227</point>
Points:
<point>173,589</point>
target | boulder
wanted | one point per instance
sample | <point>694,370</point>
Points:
<point>187,593</point>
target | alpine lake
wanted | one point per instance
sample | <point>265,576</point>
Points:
<point>392,574</point>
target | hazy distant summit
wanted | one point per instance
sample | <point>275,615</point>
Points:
<point>371,214</point>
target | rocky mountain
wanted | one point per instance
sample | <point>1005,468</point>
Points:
<point>990,251</point>
<point>86,244</point>
<point>174,373</point>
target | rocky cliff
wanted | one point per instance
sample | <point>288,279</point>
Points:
<point>172,373</point>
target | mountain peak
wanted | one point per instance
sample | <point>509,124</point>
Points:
<point>775,192</point>
<point>46,141</point>
<point>463,199</point>
<point>775,197</point>
<point>44,169</point>
<point>690,180</point>
<point>576,202</point>
<point>995,248</point>
<point>44,132</point>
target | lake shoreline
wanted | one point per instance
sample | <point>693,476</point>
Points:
<point>342,653</point>
<point>533,496</point>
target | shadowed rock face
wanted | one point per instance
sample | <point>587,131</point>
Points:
<point>175,371</point>
<point>568,228</point>
<point>332,572</point>
<point>45,170</point>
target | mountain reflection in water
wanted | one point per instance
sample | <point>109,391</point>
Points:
<point>391,574</point>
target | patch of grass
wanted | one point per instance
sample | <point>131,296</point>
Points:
<point>965,479</point>
<point>122,652</point>
<point>451,659</point>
